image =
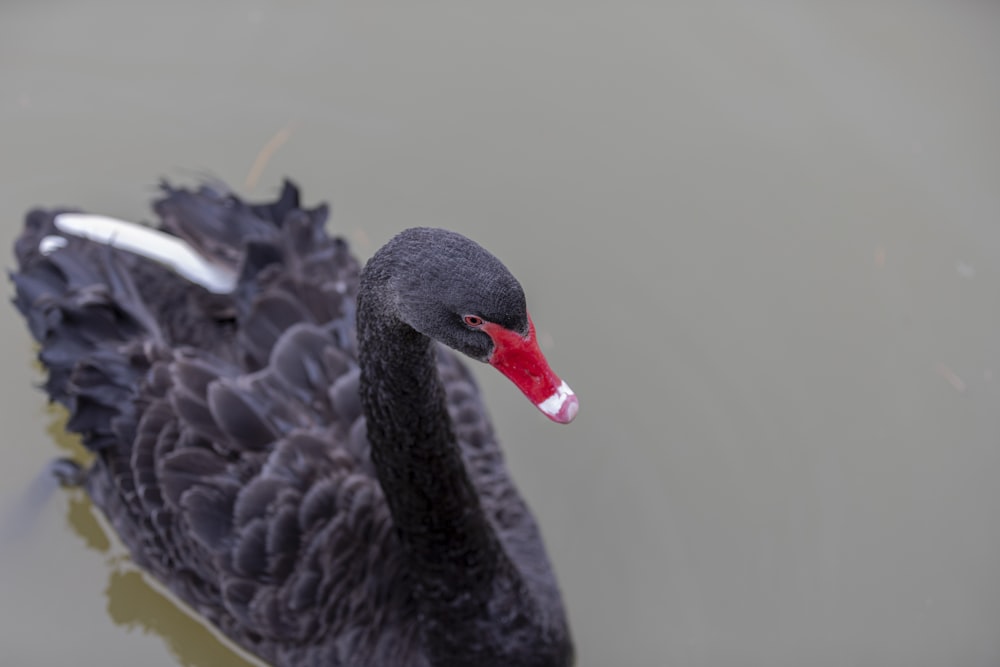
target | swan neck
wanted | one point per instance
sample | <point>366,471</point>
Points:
<point>435,508</point>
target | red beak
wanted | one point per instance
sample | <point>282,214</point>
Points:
<point>519,358</point>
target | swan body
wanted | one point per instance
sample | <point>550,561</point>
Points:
<point>288,443</point>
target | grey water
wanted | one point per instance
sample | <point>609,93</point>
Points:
<point>760,240</point>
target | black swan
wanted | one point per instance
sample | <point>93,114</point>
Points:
<point>279,439</point>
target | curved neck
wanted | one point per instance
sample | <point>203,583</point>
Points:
<point>452,549</point>
<point>475,607</point>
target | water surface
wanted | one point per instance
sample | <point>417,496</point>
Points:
<point>760,241</point>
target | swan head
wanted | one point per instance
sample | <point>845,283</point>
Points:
<point>449,288</point>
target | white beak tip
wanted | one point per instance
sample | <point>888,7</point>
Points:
<point>562,406</point>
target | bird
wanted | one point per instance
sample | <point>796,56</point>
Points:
<point>288,441</point>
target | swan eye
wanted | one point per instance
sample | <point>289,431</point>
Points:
<point>473,321</point>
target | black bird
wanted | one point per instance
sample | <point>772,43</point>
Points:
<point>287,442</point>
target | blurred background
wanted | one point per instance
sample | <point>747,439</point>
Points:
<point>760,240</point>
